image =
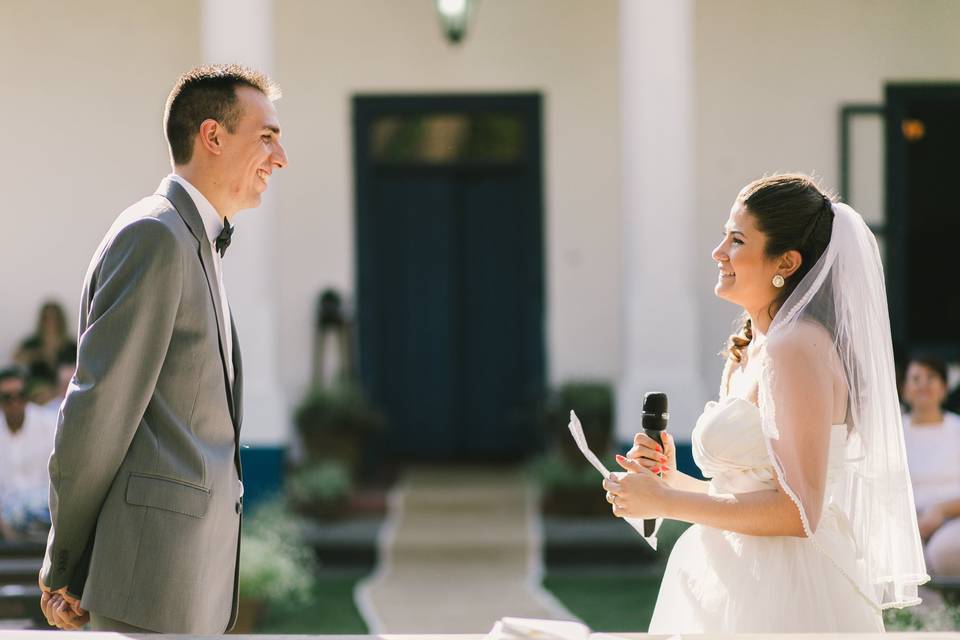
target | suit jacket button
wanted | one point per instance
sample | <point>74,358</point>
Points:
<point>239,506</point>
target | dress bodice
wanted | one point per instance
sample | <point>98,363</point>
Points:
<point>731,450</point>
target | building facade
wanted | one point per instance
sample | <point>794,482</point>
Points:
<point>651,116</point>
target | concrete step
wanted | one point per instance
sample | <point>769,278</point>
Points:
<point>28,549</point>
<point>21,602</point>
<point>19,570</point>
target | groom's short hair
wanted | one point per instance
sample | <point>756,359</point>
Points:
<point>208,92</point>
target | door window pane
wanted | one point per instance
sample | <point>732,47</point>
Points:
<point>866,169</point>
<point>447,138</point>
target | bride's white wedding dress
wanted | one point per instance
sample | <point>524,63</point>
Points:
<point>861,552</point>
<point>724,582</point>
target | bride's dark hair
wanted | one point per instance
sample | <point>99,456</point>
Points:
<point>795,214</point>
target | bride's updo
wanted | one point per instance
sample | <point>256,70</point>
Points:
<point>794,213</point>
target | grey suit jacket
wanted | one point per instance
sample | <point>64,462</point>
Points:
<point>145,491</point>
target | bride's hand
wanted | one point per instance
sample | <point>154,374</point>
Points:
<point>651,455</point>
<point>638,494</point>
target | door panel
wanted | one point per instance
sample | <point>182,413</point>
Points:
<point>450,275</point>
<point>417,325</point>
<point>933,224</point>
<point>923,135</point>
<point>497,294</point>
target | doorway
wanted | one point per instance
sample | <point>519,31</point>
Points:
<point>449,244</point>
<point>923,136</point>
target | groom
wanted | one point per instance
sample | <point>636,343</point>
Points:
<point>145,479</point>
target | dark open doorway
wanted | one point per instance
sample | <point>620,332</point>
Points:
<point>923,139</point>
<point>449,238</point>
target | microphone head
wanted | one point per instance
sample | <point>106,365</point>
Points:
<point>655,414</point>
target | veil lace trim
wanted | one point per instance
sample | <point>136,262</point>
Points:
<point>770,432</point>
<point>842,299</point>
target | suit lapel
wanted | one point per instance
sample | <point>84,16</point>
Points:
<point>237,378</point>
<point>184,205</point>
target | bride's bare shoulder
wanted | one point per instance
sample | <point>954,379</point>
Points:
<point>804,339</point>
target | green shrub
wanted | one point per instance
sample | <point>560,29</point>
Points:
<point>933,616</point>
<point>339,409</point>
<point>552,470</point>
<point>275,563</point>
<point>335,423</point>
<point>323,482</point>
<point>594,404</point>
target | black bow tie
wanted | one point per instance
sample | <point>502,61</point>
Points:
<point>223,240</point>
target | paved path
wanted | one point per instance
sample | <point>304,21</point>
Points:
<point>460,549</point>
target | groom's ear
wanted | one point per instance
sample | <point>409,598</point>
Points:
<point>789,263</point>
<point>211,136</point>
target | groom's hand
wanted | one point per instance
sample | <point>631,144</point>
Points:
<point>68,615</point>
<point>61,609</point>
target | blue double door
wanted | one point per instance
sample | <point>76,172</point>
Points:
<point>450,272</point>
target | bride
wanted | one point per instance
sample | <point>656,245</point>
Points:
<point>807,523</point>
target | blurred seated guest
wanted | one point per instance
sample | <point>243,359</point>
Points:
<point>47,387</point>
<point>26,441</point>
<point>50,341</point>
<point>932,438</point>
<point>41,385</point>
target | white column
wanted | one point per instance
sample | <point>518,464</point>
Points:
<point>660,311</point>
<point>241,31</point>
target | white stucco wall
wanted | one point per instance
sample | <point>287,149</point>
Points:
<point>771,76</point>
<point>567,49</point>
<point>89,79</point>
<point>84,84</point>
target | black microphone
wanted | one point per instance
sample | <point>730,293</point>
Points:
<point>654,421</point>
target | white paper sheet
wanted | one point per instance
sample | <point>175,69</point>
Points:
<point>576,430</point>
<point>534,629</point>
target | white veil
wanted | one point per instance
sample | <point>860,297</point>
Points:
<point>834,331</point>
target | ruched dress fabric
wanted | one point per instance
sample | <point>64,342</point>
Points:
<point>720,581</point>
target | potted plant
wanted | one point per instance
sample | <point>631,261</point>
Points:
<point>275,564</point>
<point>320,489</point>
<point>593,402</point>
<point>568,488</point>
<point>334,422</point>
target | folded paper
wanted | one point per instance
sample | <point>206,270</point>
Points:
<point>576,430</point>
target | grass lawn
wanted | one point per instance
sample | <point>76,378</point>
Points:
<point>622,602</point>
<point>610,600</point>
<point>331,610</point>
<point>607,601</point>
<point>615,599</point>
<point>604,601</point>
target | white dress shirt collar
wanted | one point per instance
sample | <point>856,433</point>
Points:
<point>212,222</point>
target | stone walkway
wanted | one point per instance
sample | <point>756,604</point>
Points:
<point>460,549</point>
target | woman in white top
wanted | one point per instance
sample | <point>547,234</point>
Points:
<point>932,437</point>
<point>26,441</point>
<point>807,523</point>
